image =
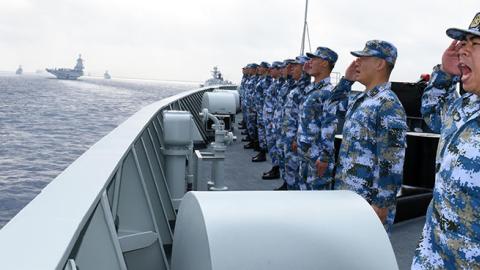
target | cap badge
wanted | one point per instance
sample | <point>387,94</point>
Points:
<point>476,21</point>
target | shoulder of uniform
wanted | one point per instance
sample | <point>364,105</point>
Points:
<point>387,96</point>
<point>391,103</point>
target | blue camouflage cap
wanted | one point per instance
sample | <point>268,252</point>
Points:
<point>277,64</point>
<point>461,34</point>
<point>252,65</point>
<point>286,62</point>
<point>378,48</point>
<point>324,53</point>
<point>264,65</point>
<point>301,59</point>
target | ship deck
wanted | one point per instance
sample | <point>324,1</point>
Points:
<point>242,174</point>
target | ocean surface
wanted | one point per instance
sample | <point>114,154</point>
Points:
<point>45,124</point>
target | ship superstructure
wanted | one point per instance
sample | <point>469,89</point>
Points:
<point>217,78</point>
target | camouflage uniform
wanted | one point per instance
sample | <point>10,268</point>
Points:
<point>278,115</point>
<point>289,130</point>
<point>242,91</point>
<point>372,152</point>
<point>260,89</point>
<point>451,236</point>
<point>268,114</point>
<point>371,156</point>
<point>316,129</point>
<point>251,112</point>
<point>315,136</point>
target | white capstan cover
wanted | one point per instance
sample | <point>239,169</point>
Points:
<point>232,92</point>
<point>219,103</point>
<point>178,127</point>
<point>261,230</point>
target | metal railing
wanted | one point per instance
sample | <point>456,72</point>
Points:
<point>111,208</point>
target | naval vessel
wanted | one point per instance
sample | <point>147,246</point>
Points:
<point>19,70</point>
<point>68,73</point>
<point>216,79</point>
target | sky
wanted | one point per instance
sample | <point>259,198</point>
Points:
<point>184,39</point>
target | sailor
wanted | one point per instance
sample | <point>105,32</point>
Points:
<point>268,118</point>
<point>251,113</point>
<point>245,98</point>
<point>241,91</point>
<point>451,236</point>
<point>316,129</point>
<point>372,152</point>
<point>287,86</point>
<point>263,84</point>
<point>289,125</point>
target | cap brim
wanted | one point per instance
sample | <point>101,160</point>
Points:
<point>360,53</point>
<point>311,55</point>
<point>460,34</point>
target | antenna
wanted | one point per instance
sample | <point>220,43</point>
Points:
<point>305,29</point>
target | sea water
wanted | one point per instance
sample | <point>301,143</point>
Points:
<point>45,124</point>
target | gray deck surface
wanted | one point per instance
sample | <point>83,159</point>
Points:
<point>242,174</point>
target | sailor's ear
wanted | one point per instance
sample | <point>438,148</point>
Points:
<point>381,64</point>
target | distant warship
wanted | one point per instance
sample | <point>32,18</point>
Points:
<point>19,70</point>
<point>217,79</point>
<point>67,73</point>
<point>106,75</point>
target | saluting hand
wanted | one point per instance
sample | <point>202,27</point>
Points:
<point>350,72</point>
<point>321,167</point>
<point>450,59</point>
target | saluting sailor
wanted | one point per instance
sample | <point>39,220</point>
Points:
<point>451,236</point>
<point>372,152</point>
<point>316,129</point>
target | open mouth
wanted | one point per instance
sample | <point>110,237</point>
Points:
<point>465,70</point>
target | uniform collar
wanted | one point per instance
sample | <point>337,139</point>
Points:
<point>471,104</point>
<point>303,82</point>
<point>470,98</point>
<point>379,88</point>
<point>317,85</point>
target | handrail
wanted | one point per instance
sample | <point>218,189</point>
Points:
<point>43,234</point>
